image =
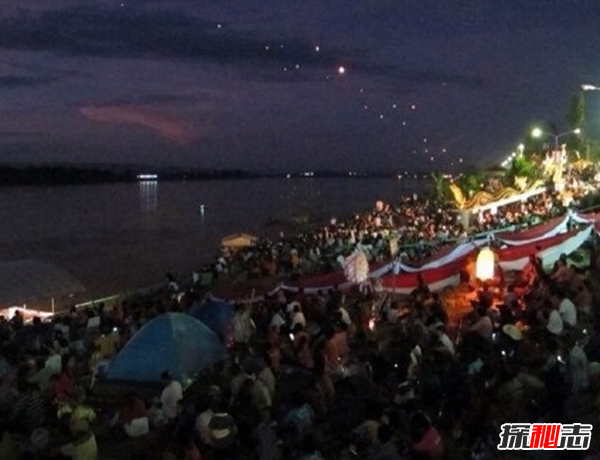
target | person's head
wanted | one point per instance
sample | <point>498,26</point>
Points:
<point>557,294</point>
<point>68,362</point>
<point>214,403</point>
<point>481,310</point>
<point>166,378</point>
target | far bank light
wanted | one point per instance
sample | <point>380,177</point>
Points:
<point>484,267</point>
<point>147,176</point>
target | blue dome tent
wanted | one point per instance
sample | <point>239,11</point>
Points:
<point>215,314</point>
<point>172,342</point>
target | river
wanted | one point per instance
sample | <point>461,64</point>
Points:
<point>116,237</point>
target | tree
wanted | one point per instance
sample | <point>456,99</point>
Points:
<point>522,167</point>
<point>471,182</point>
<point>440,186</point>
<point>576,114</point>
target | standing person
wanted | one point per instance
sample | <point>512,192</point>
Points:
<point>203,420</point>
<point>94,364</point>
<point>267,376</point>
<point>223,433</point>
<point>171,395</point>
<point>297,317</point>
<point>29,411</point>
<point>83,444</point>
<point>426,441</point>
<point>567,310</point>
<point>385,446</point>
<point>65,384</point>
<point>269,445</point>
<point>484,326</point>
<point>243,326</point>
<point>578,370</point>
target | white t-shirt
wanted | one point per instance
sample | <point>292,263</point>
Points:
<point>345,316</point>
<point>202,422</point>
<point>555,323</point>
<point>298,318</point>
<point>267,377</point>
<point>568,312</point>
<point>277,320</point>
<point>446,342</point>
<point>243,327</point>
<point>170,396</point>
<point>54,364</point>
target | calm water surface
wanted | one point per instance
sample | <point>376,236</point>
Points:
<point>117,237</point>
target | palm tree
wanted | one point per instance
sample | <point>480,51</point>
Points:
<point>440,186</point>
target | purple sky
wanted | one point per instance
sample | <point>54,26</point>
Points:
<point>255,84</point>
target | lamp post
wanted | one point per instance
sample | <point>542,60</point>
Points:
<point>537,132</point>
<point>586,88</point>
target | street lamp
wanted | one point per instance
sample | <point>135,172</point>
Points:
<point>590,88</point>
<point>537,132</point>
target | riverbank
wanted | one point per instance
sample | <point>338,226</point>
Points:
<point>123,237</point>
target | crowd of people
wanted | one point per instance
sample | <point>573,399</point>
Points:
<point>412,228</point>
<point>338,375</point>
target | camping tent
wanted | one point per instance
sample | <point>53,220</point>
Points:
<point>239,240</point>
<point>215,314</point>
<point>174,342</point>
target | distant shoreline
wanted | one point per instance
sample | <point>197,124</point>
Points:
<point>12,176</point>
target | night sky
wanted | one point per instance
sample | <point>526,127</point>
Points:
<point>289,84</point>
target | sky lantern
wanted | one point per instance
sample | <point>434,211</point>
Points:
<point>484,268</point>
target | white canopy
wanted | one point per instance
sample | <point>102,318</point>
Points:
<point>239,240</point>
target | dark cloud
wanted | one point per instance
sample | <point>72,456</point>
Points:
<point>104,32</point>
<point>152,99</point>
<point>17,81</point>
<point>176,35</point>
<point>429,76</point>
<point>9,136</point>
